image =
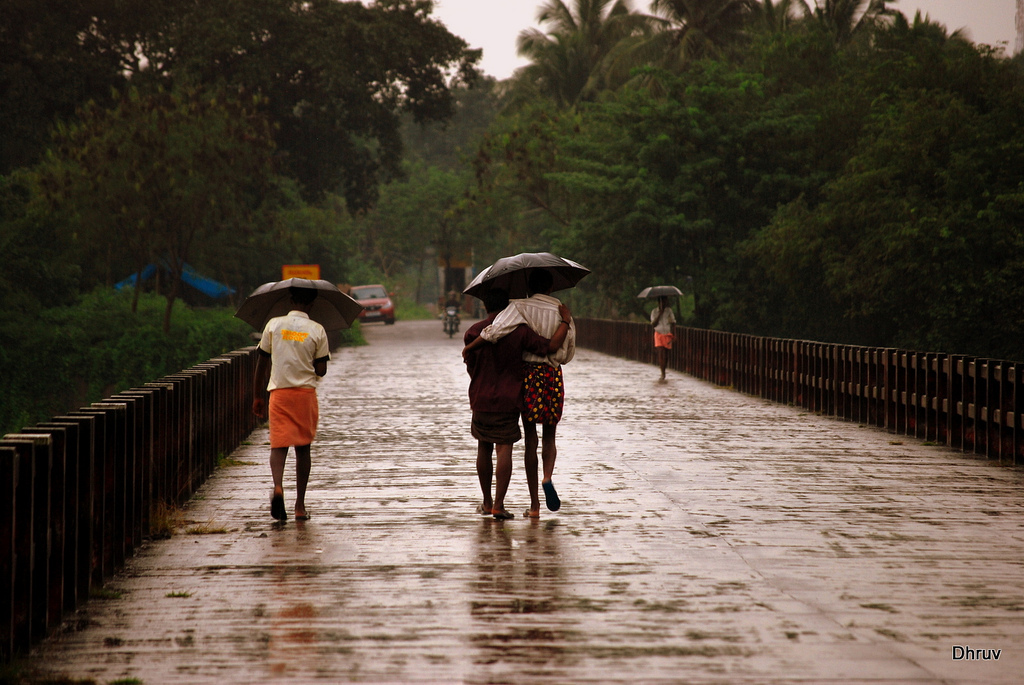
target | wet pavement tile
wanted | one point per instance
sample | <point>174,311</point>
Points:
<point>705,537</point>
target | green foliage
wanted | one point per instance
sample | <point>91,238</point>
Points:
<point>916,241</point>
<point>49,65</point>
<point>406,310</point>
<point>37,265</point>
<point>448,144</point>
<point>433,217</point>
<point>668,185</point>
<point>825,169</point>
<point>847,176</point>
<point>57,359</point>
<point>569,61</point>
<point>165,177</point>
<point>335,77</point>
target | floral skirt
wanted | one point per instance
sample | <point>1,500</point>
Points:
<point>543,394</point>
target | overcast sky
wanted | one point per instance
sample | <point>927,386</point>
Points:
<point>494,24</point>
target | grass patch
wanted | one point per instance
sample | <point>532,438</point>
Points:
<point>411,311</point>
<point>179,594</point>
<point>21,672</point>
<point>165,520</point>
<point>104,593</point>
<point>223,461</point>
<point>208,528</point>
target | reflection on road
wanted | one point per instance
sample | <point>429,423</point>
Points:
<point>518,599</point>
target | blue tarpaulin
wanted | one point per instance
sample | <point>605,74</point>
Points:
<point>205,285</point>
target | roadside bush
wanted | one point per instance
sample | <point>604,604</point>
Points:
<point>65,357</point>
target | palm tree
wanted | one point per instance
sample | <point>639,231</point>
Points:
<point>699,28</point>
<point>773,16</point>
<point>567,61</point>
<point>923,30</point>
<point>845,20</point>
<point>677,32</point>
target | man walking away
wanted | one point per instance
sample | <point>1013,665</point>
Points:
<point>292,357</point>
<point>663,319</point>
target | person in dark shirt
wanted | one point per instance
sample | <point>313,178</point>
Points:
<point>496,373</point>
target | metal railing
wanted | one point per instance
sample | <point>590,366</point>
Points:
<point>82,489</point>
<point>967,403</point>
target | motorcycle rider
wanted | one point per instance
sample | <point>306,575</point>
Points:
<point>452,301</point>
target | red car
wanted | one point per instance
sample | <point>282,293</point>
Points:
<point>377,305</point>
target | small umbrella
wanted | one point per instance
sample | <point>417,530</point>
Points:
<point>655,291</point>
<point>332,308</point>
<point>510,274</point>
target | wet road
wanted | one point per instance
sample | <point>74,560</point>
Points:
<point>705,537</point>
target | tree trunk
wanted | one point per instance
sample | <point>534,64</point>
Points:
<point>172,295</point>
<point>419,280</point>
<point>138,288</point>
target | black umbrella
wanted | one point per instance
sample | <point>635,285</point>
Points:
<point>332,308</point>
<point>659,291</point>
<point>510,274</point>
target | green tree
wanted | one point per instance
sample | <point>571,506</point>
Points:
<point>666,185</point>
<point>434,215</point>
<point>335,77</point>
<point>774,15</point>
<point>38,269</point>
<point>568,60</point>
<point>697,28</point>
<point>680,31</point>
<point>845,20</point>
<point>916,242</point>
<point>450,144</point>
<point>50,63</point>
<point>518,154</point>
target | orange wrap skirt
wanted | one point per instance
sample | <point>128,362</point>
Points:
<point>294,413</point>
<point>663,340</point>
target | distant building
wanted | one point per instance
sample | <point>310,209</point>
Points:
<point>1018,46</point>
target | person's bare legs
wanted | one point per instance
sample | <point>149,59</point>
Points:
<point>503,473</point>
<point>278,455</point>
<point>530,459</point>
<point>548,451</point>
<point>303,465</point>
<point>484,471</point>
<point>662,360</point>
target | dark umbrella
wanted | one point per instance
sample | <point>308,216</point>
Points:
<point>510,274</point>
<point>332,308</point>
<point>659,291</point>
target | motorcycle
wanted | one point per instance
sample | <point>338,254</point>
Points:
<point>451,320</point>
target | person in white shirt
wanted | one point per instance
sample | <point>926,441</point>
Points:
<point>543,387</point>
<point>663,319</point>
<point>292,357</point>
